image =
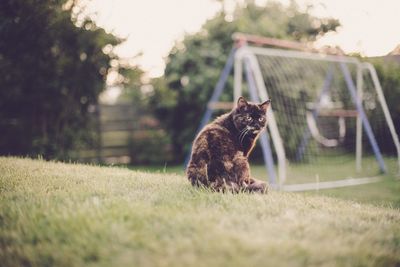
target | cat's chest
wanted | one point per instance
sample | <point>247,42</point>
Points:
<point>247,145</point>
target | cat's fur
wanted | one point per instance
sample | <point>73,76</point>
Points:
<point>220,151</point>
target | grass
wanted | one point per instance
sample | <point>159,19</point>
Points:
<point>55,214</point>
<point>384,193</point>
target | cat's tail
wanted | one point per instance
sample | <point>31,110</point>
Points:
<point>197,173</point>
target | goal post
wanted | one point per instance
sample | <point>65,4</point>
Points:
<point>325,119</point>
<point>252,63</point>
<point>374,76</point>
<point>273,68</point>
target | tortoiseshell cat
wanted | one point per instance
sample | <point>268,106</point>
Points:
<point>220,151</point>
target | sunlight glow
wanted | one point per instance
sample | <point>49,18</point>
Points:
<point>152,27</point>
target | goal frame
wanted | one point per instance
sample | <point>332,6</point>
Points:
<point>246,55</point>
<point>242,59</point>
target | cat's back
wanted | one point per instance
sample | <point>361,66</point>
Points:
<point>214,136</point>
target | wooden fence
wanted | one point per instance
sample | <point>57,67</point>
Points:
<point>120,128</point>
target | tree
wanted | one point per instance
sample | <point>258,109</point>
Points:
<point>194,65</point>
<point>52,72</point>
<point>388,71</point>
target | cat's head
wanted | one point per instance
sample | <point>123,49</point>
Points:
<point>250,116</point>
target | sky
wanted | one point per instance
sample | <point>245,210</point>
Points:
<point>151,27</point>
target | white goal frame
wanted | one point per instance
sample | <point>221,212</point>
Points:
<point>249,53</point>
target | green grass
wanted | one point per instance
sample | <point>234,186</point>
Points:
<point>386,192</point>
<point>55,214</point>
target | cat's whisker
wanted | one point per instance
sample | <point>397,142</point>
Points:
<point>242,132</point>
<point>244,135</point>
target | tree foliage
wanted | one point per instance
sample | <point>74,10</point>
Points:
<point>52,72</point>
<point>194,65</point>
<point>389,77</point>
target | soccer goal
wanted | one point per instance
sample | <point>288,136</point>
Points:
<point>328,113</point>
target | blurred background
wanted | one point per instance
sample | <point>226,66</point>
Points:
<point>127,82</point>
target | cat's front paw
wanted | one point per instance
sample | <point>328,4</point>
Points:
<point>257,186</point>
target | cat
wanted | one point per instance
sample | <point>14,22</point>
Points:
<point>220,152</point>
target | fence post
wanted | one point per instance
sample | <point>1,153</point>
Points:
<point>99,134</point>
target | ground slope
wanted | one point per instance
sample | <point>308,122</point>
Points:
<point>75,215</point>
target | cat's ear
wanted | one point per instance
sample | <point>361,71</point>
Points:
<point>241,103</point>
<point>264,106</point>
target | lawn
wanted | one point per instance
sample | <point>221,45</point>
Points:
<point>383,193</point>
<point>56,214</point>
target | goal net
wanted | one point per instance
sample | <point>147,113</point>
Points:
<point>329,125</point>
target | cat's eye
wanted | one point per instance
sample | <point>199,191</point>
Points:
<point>261,119</point>
<point>248,118</point>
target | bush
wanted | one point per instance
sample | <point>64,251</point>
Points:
<point>52,73</point>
